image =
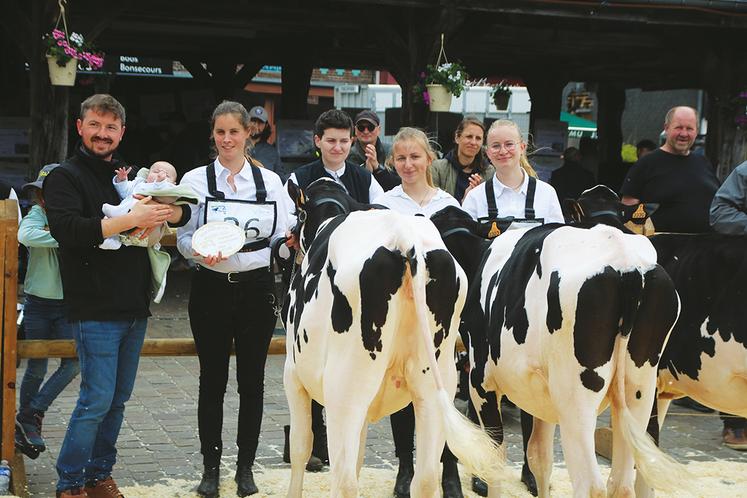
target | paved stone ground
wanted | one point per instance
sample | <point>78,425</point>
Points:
<point>159,435</point>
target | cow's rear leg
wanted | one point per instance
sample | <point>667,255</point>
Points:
<point>540,455</point>
<point>299,406</point>
<point>347,418</point>
<point>577,437</point>
<point>361,449</point>
<point>429,444</point>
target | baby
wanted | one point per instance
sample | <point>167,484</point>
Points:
<point>160,176</point>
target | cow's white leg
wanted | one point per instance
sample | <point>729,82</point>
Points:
<point>429,444</point>
<point>577,437</point>
<point>361,450</point>
<point>642,488</point>
<point>346,419</point>
<point>299,406</point>
<point>540,455</point>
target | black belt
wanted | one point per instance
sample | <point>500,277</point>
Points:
<point>234,277</point>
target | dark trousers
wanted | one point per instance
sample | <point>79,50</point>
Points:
<point>223,315</point>
<point>403,433</point>
<point>733,422</point>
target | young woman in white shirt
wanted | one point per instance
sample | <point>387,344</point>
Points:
<point>412,156</point>
<point>231,299</point>
<point>514,190</point>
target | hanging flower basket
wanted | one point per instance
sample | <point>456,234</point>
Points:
<point>65,52</point>
<point>501,95</point>
<point>500,99</point>
<point>440,98</point>
<point>62,75</point>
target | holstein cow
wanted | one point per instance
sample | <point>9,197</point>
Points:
<point>566,321</point>
<point>706,356</point>
<point>371,325</point>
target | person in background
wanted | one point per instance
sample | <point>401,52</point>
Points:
<point>261,149</point>
<point>683,184</point>
<point>413,156</point>
<point>45,317</point>
<point>728,215</point>
<point>370,152</point>
<point>465,166</point>
<point>231,298</point>
<point>571,178</point>
<point>644,147</point>
<point>107,294</point>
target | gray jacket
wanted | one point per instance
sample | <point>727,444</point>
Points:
<point>445,176</point>
<point>729,206</point>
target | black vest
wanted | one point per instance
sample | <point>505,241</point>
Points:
<point>357,180</point>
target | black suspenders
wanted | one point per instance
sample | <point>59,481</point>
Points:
<point>258,183</point>
<point>528,206</point>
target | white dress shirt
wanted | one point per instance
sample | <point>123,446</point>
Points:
<point>397,200</point>
<point>245,190</point>
<point>512,203</point>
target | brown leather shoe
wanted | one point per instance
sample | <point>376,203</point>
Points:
<point>105,488</point>
<point>735,439</point>
<point>72,493</point>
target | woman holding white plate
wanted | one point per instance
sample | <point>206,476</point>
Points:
<point>231,301</point>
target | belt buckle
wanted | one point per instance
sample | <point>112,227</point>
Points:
<point>230,280</point>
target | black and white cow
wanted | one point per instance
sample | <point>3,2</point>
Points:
<point>371,325</point>
<point>706,356</point>
<point>566,321</point>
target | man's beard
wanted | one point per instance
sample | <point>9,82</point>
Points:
<point>102,155</point>
<point>256,136</point>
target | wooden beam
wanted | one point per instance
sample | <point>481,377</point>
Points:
<point>151,347</point>
<point>8,297</point>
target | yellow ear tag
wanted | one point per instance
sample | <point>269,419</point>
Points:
<point>301,198</point>
<point>640,212</point>
<point>494,231</point>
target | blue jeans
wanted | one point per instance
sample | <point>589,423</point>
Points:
<point>45,319</point>
<point>109,353</point>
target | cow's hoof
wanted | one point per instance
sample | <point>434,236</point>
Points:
<point>528,479</point>
<point>315,464</point>
<point>479,486</point>
<point>404,478</point>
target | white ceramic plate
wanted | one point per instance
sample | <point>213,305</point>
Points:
<point>217,236</point>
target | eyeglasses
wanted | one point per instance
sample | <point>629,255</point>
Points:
<point>509,146</point>
<point>365,126</point>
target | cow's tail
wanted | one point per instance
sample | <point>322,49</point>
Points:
<point>659,470</point>
<point>474,448</point>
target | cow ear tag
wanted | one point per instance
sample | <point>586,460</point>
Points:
<point>494,231</point>
<point>640,212</point>
<point>301,198</point>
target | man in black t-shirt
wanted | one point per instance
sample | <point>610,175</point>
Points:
<point>683,184</point>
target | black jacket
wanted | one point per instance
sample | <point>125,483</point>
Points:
<point>356,179</point>
<point>98,284</point>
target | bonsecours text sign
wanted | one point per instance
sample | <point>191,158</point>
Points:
<point>144,65</point>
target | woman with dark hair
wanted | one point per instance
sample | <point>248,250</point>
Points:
<point>465,166</point>
<point>231,299</point>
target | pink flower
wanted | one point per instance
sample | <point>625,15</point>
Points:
<point>59,43</point>
<point>57,34</point>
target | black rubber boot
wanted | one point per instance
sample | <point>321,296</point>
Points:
<point>479,486</point>
<point>450,484</point>
<point>404,478</point>
<point>210,482</point>
<point>245,481</point>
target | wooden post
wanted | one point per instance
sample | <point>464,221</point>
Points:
<point>8,298</point>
